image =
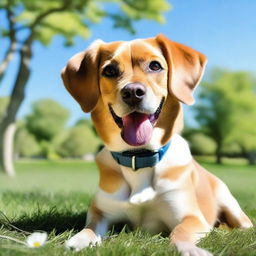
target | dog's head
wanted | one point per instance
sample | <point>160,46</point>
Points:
<point>134,87</point>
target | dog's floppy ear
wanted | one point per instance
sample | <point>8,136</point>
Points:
<point>186,67</point>
<point>80,76</point>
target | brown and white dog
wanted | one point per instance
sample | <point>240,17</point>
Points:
<point>134,91</point>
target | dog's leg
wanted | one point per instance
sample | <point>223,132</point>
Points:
<point>187,233</point>
<point>229,207</point>
<point>189,223</point>
<point>97,223</point>
<point>96,228</point>
<point>110,200</point>
<point>182,211</point>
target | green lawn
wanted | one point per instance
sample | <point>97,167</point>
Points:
<point>54,196</point>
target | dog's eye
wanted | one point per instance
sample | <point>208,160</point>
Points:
<point>155,66</point>
<point>110,71</point>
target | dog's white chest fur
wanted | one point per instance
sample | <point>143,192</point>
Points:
<point>152,203</point>
<point>142,196</point>
<point>144,211</point>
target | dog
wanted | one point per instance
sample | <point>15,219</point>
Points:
<point>134,91</point>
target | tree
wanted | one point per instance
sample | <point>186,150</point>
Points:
<point>25,143</point>
<point>46,119</point>
<point>46,124</point>
<point>80,140</point>
<point>244,117</point>
<point>30,21</point>
<point>226,109</point>
<point>200,144</point>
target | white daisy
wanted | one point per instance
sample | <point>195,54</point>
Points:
<point>36,239</point>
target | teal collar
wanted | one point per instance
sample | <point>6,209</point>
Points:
<point>137,159</point>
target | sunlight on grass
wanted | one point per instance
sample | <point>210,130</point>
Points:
<point>52,176</point>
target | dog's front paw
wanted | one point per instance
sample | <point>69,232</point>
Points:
<point>189,249</point>
<point>83,239</point>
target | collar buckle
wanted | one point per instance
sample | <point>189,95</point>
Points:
<point>134,163</point>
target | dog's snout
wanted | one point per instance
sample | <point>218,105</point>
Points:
<point>133,93</point>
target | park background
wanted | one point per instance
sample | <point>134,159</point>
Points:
<point>51,143</point>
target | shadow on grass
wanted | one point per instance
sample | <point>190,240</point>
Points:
<point>31,211</point>
<point>58,222</point>
<point>36,211</point>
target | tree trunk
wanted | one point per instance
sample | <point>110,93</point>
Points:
<point>7,58</point>
<point>251,157</point>
<point>13,42</point>
<point>6,141</point>
<point>218,153</point>
<point>17,96</point>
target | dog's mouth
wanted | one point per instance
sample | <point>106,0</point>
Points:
<point>137,128</point>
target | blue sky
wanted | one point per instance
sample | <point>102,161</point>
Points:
<point>224,30</point>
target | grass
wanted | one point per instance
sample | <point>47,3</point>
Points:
<point>48,176</point>
<point>54,196</point>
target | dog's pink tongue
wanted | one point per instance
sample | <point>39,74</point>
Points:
<point>137,129</point>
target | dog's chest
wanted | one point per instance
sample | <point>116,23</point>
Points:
<point>144,212</point>
<point>145,203</point>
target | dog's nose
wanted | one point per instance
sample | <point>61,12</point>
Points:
<point>133,93</point>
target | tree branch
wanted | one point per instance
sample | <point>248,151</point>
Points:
<point>25,54</point>
<point>13,42</point>
<point>40,17</point>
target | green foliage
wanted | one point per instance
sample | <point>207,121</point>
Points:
<point>61,23</point>
<point>79,141</point>
<point>84,121</point>
<point>46,119</point>
<point>43,133</point>
<point>201,144</point>
<point>73,18</point>
<point>136,10</point>
<point>149,9</point>
<point>231,149</point>
<point>26,144</point>
<point>226,108</point>
<point>48,150</point>
<point>89,123</point>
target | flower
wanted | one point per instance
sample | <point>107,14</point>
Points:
<point>36,239</point>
